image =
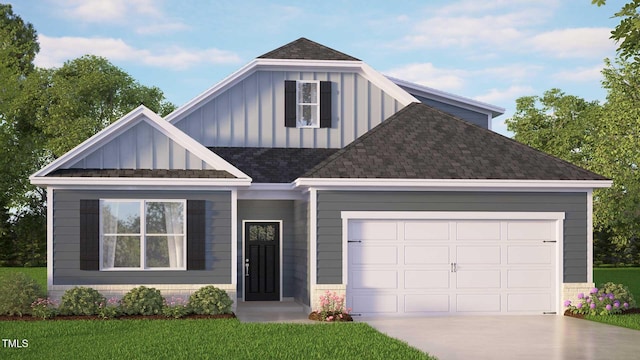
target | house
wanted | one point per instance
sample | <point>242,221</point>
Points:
<point>306,171</point>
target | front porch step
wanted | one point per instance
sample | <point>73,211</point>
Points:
<point>269,306</point>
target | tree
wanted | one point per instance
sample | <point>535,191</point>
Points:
<point>627,33</point>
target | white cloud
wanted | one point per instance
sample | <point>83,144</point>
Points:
<point>575,43</point>
<point>505,95</point>
<point>582,74</point>
<point>54,51</point>
<point>100,11</point>
<point>161,28</point>
<point>428,75</point>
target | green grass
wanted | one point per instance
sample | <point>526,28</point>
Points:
<point>199,339</point>
<point>39,274</point>
<point>629,321</point>
<point>627,276</point>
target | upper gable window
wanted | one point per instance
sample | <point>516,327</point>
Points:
<point>308,111</point>
<point>307,104</point>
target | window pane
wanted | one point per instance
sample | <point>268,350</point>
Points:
<point>165,218</point>
<point>120,251</point>
<point>307,115</point>
<point>165,251</point>
<point>120,217</point>
<point>262,232</point>
<point>308,93</point>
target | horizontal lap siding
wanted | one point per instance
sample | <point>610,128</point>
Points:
<point>301,252</point>
<point>270,210</point>
<point>480,119</point>
<point>66,247</point>
<point>331,203</point>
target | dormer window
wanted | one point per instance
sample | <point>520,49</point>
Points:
<point>307,104</point>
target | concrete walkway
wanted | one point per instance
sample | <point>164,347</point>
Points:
<point>272,311</point>
<point>513,337</point>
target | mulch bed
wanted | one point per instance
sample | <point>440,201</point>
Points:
<point>624,312</point>
<point>123,317</point>
<point>317,317</point>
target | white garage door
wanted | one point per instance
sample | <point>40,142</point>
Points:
<point>452,266</point>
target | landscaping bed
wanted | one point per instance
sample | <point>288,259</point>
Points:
<point>122,317</point>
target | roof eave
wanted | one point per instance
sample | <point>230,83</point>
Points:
<point>151,182</point>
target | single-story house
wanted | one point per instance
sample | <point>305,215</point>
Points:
<point>307,170</point>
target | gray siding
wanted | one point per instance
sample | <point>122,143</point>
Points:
<point>301,252</point>
<point>66,247</point>
<point>251,113</point>
<point>270,210</point>
<point>330,203</point>
<point>474,117</point>
<point>141,147</point>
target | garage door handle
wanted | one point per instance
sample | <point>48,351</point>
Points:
<point>454,267</point>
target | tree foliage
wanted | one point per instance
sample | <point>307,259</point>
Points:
<point>627,33</point>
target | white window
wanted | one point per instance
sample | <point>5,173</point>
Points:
<point>142,234</point>
<point>308,101</point>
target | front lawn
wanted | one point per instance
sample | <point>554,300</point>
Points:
<point>199,339</point>
<point>629,321</point>
<point>627,276</point>
<point>39,274</point>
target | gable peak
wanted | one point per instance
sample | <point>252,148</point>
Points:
<point>305,49</point>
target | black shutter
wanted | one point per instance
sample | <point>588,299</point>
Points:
<point>290,103</point>
<point>196,226</point>
<point>89,234</point>
<point>325,104</point>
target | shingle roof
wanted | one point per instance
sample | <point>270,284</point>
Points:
<point>143,173</point>
<point>305,49</point>
<point>420,142</point>
<point>273,165</point>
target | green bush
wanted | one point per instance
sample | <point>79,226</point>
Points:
<point>176,307</point>
<point>142,301</point>
<point>620,292</point>
<point>81,301</point>
<point>17,293</point>
<point>210,300</point>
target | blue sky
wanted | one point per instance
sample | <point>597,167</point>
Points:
<point>491,50</point>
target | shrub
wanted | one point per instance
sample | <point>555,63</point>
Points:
<point>332,307</point>
<point>80,301</point>
<point>109,309</point>
<point>608,300</point>
<point>44,308</point>
<point>142,301</point>
<point>17,293</point>
<point>210,300</point>
<point>176,307</point>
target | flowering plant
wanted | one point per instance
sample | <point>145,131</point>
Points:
<point>332,307</point>
<point>176,307</point>
<point>607,300</point>
<point>44,308</point>
<point>108,309</point>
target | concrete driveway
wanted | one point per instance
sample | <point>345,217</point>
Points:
<point>513,337</point>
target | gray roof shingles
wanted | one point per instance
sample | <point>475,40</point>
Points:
<point>143,173</point>
<point>305,49</point>
<point>420,142</point>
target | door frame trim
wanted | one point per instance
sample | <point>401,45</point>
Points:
<point>242,279</point>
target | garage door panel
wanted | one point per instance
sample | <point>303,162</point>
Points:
<point>530,230</point>
<point>374,279</point>
<point>487,279</point>
<point>522,255</point>
<point>426,230</point>
<point>529,302</point>
<point>373,230</point>
<point>426,303</point>
<point>489,255</point>
<point>529,279</point>
<point>478,230</point>
<point>375,255</point>
<point>478,302</point>
<point>426,255</point>
<point>426,279</point>
<point>375,303</point>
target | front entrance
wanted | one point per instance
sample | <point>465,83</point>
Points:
<point>262,260</point>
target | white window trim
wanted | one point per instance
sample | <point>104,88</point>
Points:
<point>143,236</point>
<point>316,104</point>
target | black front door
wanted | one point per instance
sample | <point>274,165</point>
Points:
<point>262,261</point>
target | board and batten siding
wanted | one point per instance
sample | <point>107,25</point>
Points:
<point>141,147</point>
<point>331,203</point>
<point>269,210</point>
<point>474,117</point>
<point>66,244</point>
<point>251,113</point>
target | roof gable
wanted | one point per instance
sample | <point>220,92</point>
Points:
<point>121,145</point>
<point>305,49</point>
<point>420,142</point>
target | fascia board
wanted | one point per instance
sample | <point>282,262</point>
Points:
<point>138,182</point>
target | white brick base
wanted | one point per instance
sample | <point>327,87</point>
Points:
<point>319,290</point>
<point>570,291</point>
<point>55,292</point>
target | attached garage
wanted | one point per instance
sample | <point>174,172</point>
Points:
<point>430,263</point>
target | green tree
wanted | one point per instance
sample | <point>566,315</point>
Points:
<point>627,33</point>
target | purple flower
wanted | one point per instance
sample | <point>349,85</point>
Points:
<point>593,291</point>
<point>608,307</point>
<point>616,304</point>
<point>567,303</point>
<point>581,296</point>
<point>600,298</point>
<point>579,305</point>
<point>593,305</point>
<point>611,296</point>
<point>626,305</point>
